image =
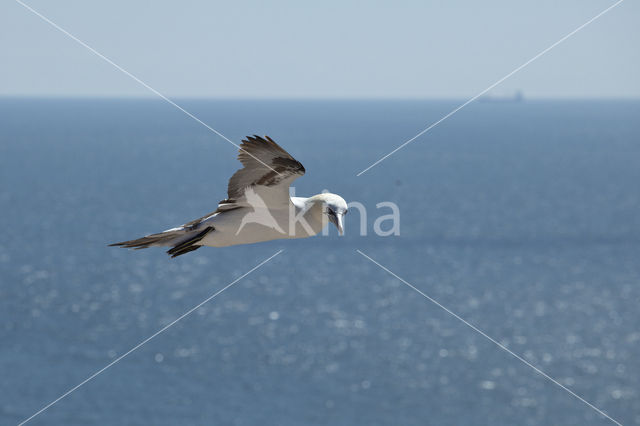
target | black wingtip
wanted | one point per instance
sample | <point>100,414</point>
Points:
<point>190,244</point>
<point>183,251</point>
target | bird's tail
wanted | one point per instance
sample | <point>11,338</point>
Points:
<point>182,240</point>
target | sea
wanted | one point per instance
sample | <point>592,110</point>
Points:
<point>510,295</point>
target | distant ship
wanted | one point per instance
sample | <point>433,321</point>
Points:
<point>515,97</point>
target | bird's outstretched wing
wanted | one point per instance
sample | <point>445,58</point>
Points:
<point>266,165</point>
<point>268,170</point>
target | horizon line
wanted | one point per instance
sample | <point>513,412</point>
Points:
<point>495,99</point>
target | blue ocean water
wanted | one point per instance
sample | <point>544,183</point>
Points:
<point>522,218</point>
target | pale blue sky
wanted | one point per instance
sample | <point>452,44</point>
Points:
<point>334,49</point>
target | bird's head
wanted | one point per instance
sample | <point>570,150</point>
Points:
<point>335,207</point>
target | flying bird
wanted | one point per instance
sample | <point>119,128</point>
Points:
<point>257,208</point>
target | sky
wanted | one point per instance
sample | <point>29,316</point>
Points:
<point>329,49</point>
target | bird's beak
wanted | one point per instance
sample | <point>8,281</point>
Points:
<point>338,220</point>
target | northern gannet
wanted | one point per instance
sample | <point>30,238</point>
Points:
<point>258,206</point>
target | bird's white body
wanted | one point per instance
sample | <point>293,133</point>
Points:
<point>258,207</point>
<point>300,218</point>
